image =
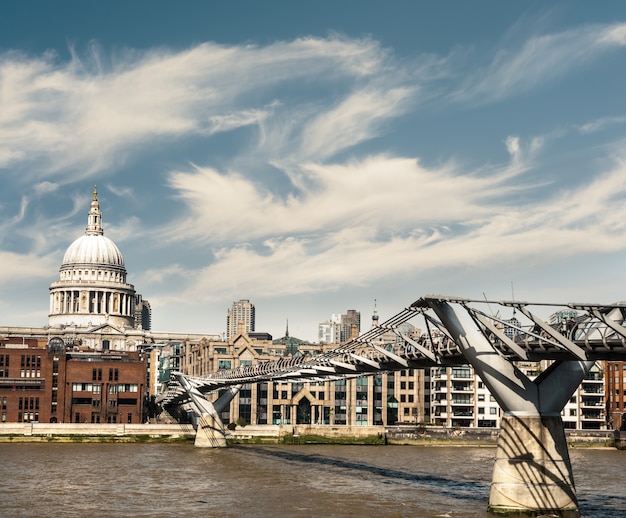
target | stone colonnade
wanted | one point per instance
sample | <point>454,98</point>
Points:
<point>100,301</point>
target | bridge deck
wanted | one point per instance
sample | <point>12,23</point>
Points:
<point>598,333</point>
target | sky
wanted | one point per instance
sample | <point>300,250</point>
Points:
<point>315,157</point>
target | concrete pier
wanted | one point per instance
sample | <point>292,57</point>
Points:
<point>532,474</point>
<point>210,432</point>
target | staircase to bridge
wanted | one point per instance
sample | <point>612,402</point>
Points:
<point>532,472</point>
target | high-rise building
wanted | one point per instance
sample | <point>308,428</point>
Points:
<point>143,313</point>
<point>350,325</point>
<point>329,331</point>
<point>242,311</point>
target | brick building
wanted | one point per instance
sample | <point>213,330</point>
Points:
<point>59,383</point>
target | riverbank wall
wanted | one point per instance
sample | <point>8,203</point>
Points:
<point>435,435</point>
<point>84,432</point>
<point>286,434</point>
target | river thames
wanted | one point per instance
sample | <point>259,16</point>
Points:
<point>160,480</point>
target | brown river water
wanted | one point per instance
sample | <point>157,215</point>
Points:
<point>161,480</point>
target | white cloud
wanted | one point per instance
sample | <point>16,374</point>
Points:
<point>20,268</point>
<point>46,187</point>
<point>540,60</point>
<point>601,124</point>
<point>456,230</point>
<point>352,121</point>
<point>385,193</point>
<point>85,116</point>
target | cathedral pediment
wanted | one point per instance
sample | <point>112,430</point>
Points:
<point>106,329</point>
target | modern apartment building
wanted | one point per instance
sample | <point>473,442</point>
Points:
<point>460,398</point>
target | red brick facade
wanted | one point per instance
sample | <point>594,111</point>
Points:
<point>64,384</point>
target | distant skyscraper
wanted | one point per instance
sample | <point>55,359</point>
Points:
<point>350,322</point>
<point>241,311</point>
<point>143,313</point>
<point>329,331</point>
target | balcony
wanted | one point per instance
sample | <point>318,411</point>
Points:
<point>592,416</point>
<point>461,402</point>
<point>592,402</point>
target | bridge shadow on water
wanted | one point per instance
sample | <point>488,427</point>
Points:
<point>591,503</point>
<point>450,487</point>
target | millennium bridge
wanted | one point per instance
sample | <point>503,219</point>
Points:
<point>532,471</point>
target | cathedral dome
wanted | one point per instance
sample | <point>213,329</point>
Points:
<point>93,249</point>
<point>92,288</point>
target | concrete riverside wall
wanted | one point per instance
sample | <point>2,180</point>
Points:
<point>406,434</point>
<point>330,431</point>
<point>95,430</point>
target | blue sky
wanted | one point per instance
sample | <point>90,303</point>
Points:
<point>314,157</point>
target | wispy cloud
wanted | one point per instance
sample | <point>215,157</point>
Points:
<point>581,220</point>
<point>601,124</point>
<point>87,115</point>
<point>538,61</point>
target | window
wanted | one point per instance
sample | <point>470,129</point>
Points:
<point>493,411</point>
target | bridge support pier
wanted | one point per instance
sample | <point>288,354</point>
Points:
<point>211,432</point>
<point>532,473</point>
